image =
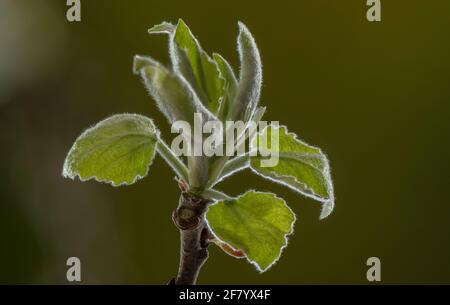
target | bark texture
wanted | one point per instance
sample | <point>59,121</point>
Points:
<point>189,218</point>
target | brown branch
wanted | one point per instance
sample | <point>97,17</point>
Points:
<point>189,218</point>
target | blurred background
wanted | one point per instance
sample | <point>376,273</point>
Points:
<point>374,96</point>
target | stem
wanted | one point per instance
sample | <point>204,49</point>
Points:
<point>221,168</point>
<point>217,168</point>
<point>236,164</point>
<point>175,163</point>
<point>215,195</point>
<point>257,116</point>
<point>189,218</point>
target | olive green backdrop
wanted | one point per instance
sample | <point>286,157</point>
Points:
<point>374,96</point>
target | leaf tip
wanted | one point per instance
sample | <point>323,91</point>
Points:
<point>139,62</point>
<point>181,24</point>
<point>162,28</point>
<point>242,26</point>
<point>327,209</point>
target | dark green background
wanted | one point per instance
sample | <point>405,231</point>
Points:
<point>374,96</point>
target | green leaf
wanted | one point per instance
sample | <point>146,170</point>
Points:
<point>172,94</point>
<point>177,101</point>
<point>196,66</point>
<point>226,72</point>
<point>255,223</point>
<point>302,167</point>
<point>118,150</point>
<point>173,161</point>
<point>162,28</point>
<point>230,86</point>
<point>250,80</point>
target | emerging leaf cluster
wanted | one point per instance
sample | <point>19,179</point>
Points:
<point>120,149</point>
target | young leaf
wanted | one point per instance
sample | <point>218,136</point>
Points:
<point>162,28</point>
<point>196,66</point>
<point>172,94</point>
<point>250,79</point>
<point>226,72</point>
<point>301,167</point>
<point>228,250</point>
<point>230,86</point>
<point>177,101</point>
<point>254,223</point>
<point>118,150</point>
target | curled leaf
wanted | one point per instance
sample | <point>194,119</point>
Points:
<point>172,94</point>
<point>162,28</point>
<point>196,66</point>
<point>301,167</point>
<point>228,249</point>
<point>230,86</point>
<point>250,79</point>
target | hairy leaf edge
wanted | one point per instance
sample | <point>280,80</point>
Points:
<point>327,203</point>
<point>68,173</point>
<point>286,236</point>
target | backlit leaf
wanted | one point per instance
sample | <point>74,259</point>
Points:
<point>301,167</point>
<point>254,224</point>
<point>196,66</point>
<point>118,150</point>
<point>172,94</point>
<point>250,79</point>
